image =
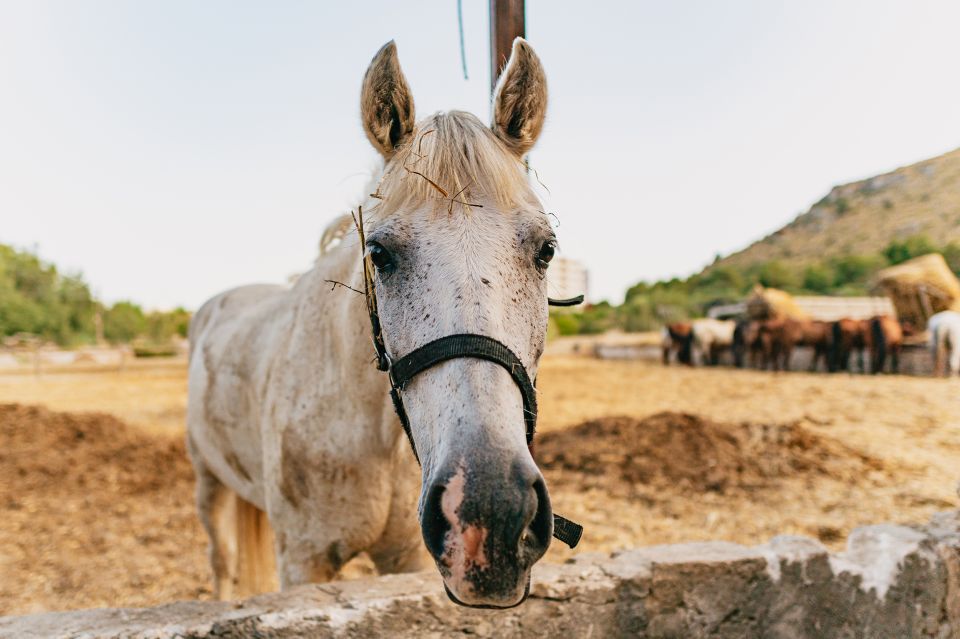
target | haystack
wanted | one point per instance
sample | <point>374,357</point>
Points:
<point>772,303</point>
<point>920,287</point>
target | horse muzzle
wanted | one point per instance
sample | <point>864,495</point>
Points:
<point>486,524</point>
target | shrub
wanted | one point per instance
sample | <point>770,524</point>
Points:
<point>818,278</point>
<point>913,246</point>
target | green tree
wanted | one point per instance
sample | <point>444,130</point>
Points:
<point>567,323</point>
<point>897,252</point>
<point>776,274</point>
<point>818,278</point>
<point>36,298</point>
<point>161,326</point>
<point>854,269</point>
<point>951,253</point>
<point>123,321</point>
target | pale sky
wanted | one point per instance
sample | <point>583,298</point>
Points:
<point>169,150</point>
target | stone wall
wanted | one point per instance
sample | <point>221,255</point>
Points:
<point>892,581</point>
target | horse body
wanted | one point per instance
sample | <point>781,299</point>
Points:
<point>817,335</point>
<point>886,340</point>
<point>944,328</point>
<point>747,346</point>
<point>677,337</point>
<point>777,337</point>
<point>711,337</point>
<point>849,336</point>
<point>301,462</point>
<point>285,433</point>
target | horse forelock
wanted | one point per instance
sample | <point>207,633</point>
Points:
<point>452,158</point>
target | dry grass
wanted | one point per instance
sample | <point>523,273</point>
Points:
<point>151,394</point>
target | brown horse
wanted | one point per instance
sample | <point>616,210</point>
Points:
<point>817,335</point>
<point>779,337</point>
<point>849,335</point>
<point>678,337</point>
<point>886,338</point>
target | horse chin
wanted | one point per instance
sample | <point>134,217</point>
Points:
<point>489,606</point>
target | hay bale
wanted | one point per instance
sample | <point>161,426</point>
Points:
<point>920,287</point>
<point>771,303</point>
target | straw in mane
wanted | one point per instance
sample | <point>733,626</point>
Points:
<point>453,158</point>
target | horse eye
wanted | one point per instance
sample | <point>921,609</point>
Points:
<point>546,254</point>
<point>380,257</point>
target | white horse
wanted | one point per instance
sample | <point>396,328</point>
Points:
<point>711,337</point>
<point>298,453</point>
<point>944,328</point>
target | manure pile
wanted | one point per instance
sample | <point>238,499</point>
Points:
<point>689,453</point>
<point>94,513</point>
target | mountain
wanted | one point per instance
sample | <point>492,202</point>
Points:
<point>863,217</point>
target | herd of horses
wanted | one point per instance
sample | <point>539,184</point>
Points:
<point>769,344</point>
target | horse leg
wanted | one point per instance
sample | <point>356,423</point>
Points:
<point>209,493</point>
<point>400,547</point>
<point>241,541</point>
<point>787,353</point>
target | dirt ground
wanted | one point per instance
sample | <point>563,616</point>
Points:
<point>96,509</point>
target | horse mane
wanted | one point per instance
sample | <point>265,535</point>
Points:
<point>334,233</point>
<point>454,158</point>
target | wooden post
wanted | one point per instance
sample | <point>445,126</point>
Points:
<point>506,24</point>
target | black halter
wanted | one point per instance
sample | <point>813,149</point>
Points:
<point>457,346</point>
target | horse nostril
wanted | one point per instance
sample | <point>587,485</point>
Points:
<point>540,528</point>
<point>433,522</point>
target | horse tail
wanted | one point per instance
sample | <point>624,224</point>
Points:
<point>246,530</point>
<point>836,347</point>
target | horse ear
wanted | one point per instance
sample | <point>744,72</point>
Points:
<point>386,104</point>
<point>520,99</point>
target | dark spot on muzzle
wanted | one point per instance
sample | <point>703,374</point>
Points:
<point>507,508</point>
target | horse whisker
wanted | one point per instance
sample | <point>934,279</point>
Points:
<point>553,215</point>
<point>336,284</point>
<point>537,175</point>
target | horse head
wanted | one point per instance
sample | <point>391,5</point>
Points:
<point>459,245</point>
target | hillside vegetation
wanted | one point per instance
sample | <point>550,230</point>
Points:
<point>835,248</point>
<point>38,300</point>
<point>861,218</point>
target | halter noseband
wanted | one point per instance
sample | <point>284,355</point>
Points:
<point>450,347</point>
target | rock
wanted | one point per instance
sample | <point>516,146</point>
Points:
<point>891,581</point>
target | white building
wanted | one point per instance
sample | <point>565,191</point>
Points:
<point>567,278</point>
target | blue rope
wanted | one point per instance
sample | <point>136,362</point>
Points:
<point>463,52</point>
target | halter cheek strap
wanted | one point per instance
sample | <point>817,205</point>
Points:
<point>457,346</point>
<point>454,347</point>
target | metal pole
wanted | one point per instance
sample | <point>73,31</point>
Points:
<point>506,24</point>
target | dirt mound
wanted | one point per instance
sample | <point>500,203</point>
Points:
<point>692,453</point>
<point>92,513</point>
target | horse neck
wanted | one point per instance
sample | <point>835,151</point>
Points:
<point>332,342</point>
